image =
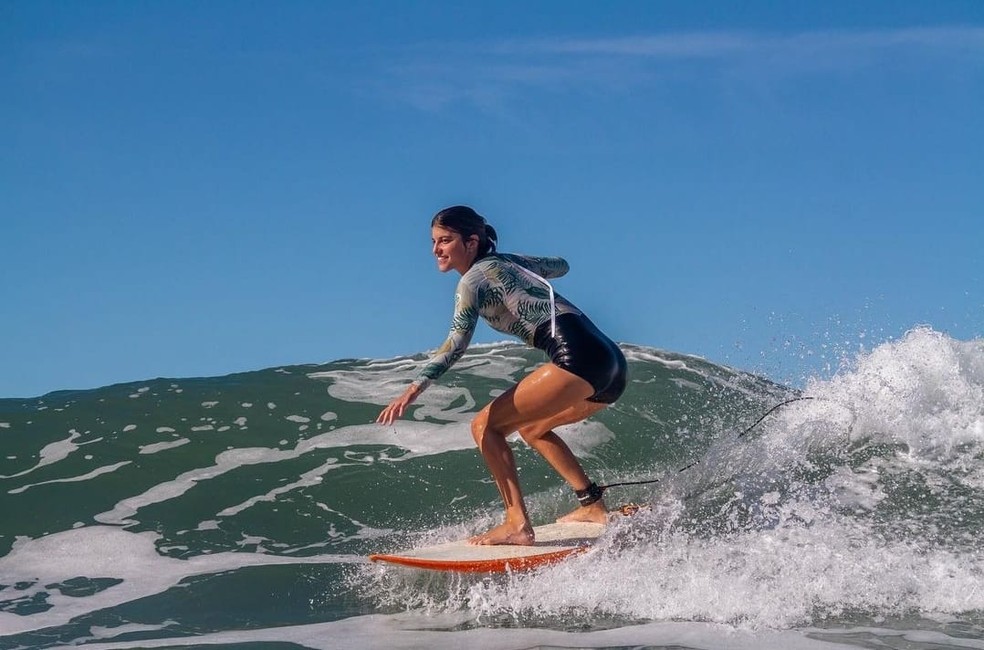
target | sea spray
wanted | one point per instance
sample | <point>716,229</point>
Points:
<point>242,508</point>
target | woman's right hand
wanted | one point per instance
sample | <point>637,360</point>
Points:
<point>398,406</point>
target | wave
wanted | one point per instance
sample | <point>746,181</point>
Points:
<point>863,502</point>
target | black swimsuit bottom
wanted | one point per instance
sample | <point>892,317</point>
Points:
<point>581,348</point>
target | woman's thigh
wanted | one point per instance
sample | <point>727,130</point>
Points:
<point>549,395</point>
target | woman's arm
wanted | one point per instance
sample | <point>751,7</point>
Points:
<point>462,328</point>
<point>548,267</point>
<point>397,407</point>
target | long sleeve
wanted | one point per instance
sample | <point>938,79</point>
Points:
<point>548,267</point>
<point>463,323</point>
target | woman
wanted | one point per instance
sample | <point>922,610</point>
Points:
<point>587,371</point>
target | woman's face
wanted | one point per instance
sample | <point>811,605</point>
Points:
<point>451,251</point>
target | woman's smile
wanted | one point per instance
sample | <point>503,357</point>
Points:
<point>450,250</point>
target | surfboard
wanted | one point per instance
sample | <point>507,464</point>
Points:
<point>554,542</point>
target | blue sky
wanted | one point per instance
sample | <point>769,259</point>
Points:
<point>200,188</point>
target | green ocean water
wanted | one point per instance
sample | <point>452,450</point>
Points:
<point>238,511</point>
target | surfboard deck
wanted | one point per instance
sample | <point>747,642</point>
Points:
<point>554,542</point>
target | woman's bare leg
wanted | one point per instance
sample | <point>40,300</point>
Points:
<point>556,452</point>
<point>516,529</point>
<point>546,398</point>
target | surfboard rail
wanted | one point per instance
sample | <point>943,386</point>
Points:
<point>500,565</point>
<point>555,542</point>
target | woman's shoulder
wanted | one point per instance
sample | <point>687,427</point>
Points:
<point>548,267</point>
<point>488,269</point>
<point>501,259</point>
<point>490,261</point>
<point>495,264</point>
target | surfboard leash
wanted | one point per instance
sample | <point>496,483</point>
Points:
<point>696,462</point>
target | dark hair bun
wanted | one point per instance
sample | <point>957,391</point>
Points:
<point>467,223</point>
<point>492,237</point>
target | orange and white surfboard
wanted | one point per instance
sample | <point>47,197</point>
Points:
<point>554,542</point>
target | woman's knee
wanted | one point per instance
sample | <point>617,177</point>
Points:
<point>480,425</point>
<point>533,432</point>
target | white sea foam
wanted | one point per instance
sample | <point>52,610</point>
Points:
<point>417,438</point>
<point>163,446</point>
<point>311,477</point>
<point>764,579</point>
<point>52,453</point>
<point>109,552</point>
<point>439,401</point>
<point>925,390</point>
<point>409,631</point>
<point>813,550</point>
<point>107,469</point>
<point>815,559</point>
<point>661,357</point>
<point>492,364</point>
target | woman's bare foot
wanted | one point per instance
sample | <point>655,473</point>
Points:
<point>595,513</point>
<point>506,533</point>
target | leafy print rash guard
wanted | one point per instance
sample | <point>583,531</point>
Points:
<point>506,291</point>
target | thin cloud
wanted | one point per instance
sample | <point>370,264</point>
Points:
<point>705,45</point>
<point>491,74</point>
<point>694,45</point>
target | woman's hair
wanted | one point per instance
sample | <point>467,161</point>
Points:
<point>466,222</point>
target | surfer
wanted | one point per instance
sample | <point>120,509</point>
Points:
<point>586,372</point>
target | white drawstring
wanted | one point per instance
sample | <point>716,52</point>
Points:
<point>553,304</point>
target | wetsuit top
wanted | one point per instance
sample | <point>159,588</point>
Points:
<point>504,290</point>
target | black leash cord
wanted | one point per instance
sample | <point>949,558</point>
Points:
<point>769,412</point>
<point>755,424</point>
